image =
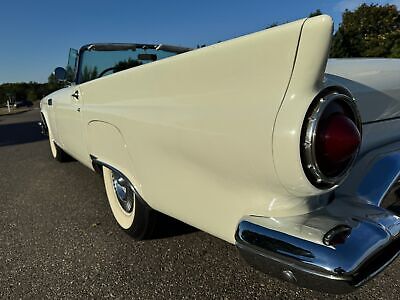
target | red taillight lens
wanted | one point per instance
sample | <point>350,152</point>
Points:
<point>337,140</point>
<point>331,138</point>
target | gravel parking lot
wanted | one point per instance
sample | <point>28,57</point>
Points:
<point>58,239</point>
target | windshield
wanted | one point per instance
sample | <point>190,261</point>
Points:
<point>100,60</point>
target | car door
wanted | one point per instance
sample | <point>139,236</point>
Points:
<point>69,121</point>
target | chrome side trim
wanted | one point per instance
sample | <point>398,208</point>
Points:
<point>96,163</point>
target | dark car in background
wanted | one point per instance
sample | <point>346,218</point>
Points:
<point>22,103</point>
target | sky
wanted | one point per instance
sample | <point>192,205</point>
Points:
<point>35,36</point>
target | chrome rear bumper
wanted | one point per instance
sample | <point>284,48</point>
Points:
<point>334,249</point>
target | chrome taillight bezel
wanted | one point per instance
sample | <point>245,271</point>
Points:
<point>309,134</point>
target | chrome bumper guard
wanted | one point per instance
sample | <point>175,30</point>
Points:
<point>334,249</point>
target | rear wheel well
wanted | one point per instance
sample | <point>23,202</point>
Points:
<point>97,166</point>
<point>45,128</point>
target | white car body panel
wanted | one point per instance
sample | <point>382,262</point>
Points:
<point>213,135</point>
<point>208,174</point>
<point>160,110</point>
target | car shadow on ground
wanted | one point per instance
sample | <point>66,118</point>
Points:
<point>20,133</point>
<point>167,227</point>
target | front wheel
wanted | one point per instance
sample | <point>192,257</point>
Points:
<point>130,211</point>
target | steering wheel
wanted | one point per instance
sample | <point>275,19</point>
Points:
<point>105,71</point>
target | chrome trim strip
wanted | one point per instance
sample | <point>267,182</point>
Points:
<point>308,147</point>
<point>133,46</point>
<point>381,120</point>
<point>97,162</point>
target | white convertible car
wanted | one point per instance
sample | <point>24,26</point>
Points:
<point>260,140</point>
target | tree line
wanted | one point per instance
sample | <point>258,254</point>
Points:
<point>31,91</point>
<point>368,31</point>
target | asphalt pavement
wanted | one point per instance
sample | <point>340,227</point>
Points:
<point>58,239</point>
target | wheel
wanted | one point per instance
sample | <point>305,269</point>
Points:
<point>57,153</point>
<point>129,209</point>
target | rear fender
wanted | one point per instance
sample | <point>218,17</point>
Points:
<point>106,144</point>
<point>306,82</point>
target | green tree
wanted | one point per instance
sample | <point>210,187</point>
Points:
<point>369,31</point>
<point>70,74</point>
<point>274,24</point>
<point>31,95</point>
<point>28,90</point>
<point>53,84</point>
<point>89,74</point>
<point>126,64</point>
<point>315,13</point>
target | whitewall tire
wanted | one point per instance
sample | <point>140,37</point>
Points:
<point>130,211</point>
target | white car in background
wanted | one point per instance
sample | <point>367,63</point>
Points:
<point>260,141</point>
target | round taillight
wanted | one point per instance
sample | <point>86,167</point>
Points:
<point>331,139</point>
<point>338,138</point>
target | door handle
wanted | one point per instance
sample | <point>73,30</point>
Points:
<point>76,95</point>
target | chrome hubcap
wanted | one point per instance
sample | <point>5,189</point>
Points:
<point>124,192</point>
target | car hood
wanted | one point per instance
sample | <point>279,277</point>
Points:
<point>374,82</point>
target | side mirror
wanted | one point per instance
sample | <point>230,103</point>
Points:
<point>60,74</point>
